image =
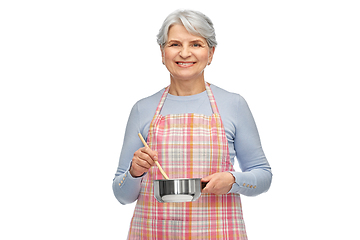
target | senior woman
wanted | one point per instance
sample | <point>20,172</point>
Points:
<point>194,130</point>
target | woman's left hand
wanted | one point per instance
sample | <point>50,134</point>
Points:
<point>218,183</point>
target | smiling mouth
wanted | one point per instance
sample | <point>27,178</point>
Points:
<point>185,64</point>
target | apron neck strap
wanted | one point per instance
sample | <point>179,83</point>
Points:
<point>208,91</point>
<point>212,99</point>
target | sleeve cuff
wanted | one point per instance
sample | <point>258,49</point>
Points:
<point>245,182</point>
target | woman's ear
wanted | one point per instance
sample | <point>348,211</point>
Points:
<point>162,55</point>
<point>211,55</point>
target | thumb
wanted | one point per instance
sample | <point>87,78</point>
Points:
<point>205,185</point>
<point>155,156</point>
<point>207,178</point>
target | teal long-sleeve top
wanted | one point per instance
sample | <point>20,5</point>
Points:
<point>240,128</point>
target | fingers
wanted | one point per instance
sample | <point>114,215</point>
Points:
<point>218,183</point>
<point>143,159</point>
<point>209,184</point>
<point>147,156</point>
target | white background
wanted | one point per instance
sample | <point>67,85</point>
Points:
<point>71,70</point>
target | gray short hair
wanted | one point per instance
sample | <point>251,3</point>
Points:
<point>196,23</point>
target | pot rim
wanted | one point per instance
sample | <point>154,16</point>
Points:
<point>177,179</point>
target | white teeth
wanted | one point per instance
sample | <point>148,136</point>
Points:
<point>185,63</point>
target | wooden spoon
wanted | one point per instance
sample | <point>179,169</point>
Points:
<point>156,162</point>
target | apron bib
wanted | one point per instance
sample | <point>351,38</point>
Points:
<point>189,146</point>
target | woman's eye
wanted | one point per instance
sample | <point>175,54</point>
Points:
<point>196,45</point>
<point>174,45</point>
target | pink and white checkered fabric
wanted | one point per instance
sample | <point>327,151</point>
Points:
<point>189,146</point>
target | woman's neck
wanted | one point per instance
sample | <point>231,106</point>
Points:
<point>186,87</point>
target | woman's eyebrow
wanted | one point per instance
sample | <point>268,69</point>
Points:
<point>197,41</point>
<point>192,41</point>
<point>173,41</point>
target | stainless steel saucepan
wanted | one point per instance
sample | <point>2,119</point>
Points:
<point>178,190</point>
<point>175,190</point>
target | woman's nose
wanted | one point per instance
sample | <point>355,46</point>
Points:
<point>185,52</point>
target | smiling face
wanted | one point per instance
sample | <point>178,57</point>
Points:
<point>186,55</point>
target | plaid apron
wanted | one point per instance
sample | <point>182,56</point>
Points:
<point>189,146</point>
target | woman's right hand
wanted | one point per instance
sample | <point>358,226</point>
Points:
<point>143,159</point>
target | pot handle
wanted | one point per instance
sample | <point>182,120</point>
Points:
<point>203,184</point>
